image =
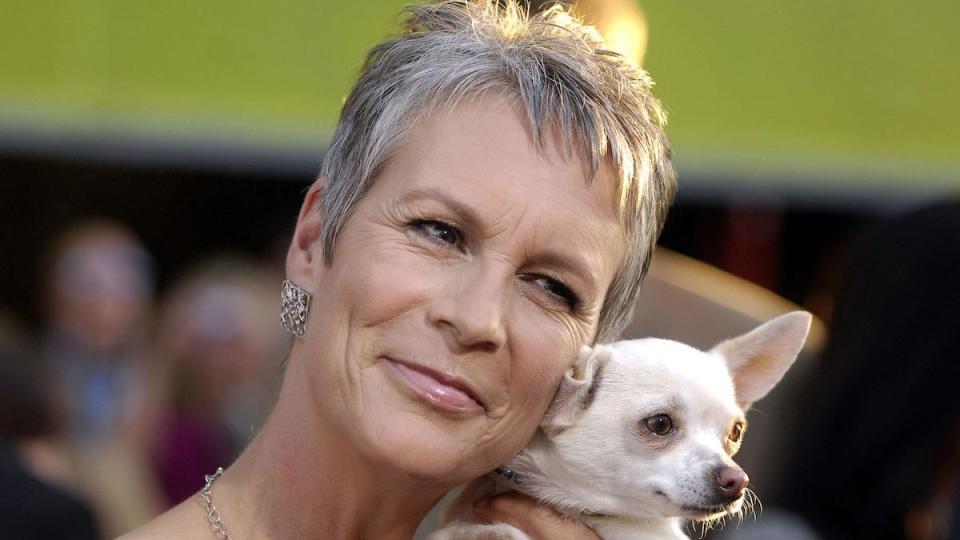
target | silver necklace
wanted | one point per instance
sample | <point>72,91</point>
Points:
<point>206,500</point>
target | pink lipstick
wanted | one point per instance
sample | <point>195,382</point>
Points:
<point>437,389</point>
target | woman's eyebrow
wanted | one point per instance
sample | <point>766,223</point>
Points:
<point>464,212</point>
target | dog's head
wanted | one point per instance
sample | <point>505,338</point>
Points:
<point>649,427</point>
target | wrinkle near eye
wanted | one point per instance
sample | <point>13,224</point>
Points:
<point>578,329</point>
<point>392,212</point>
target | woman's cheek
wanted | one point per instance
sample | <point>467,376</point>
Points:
<point>549,357</point>
<point>545,344</point>
<point>394,282</point>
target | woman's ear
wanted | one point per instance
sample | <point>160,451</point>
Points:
<point>305,255</point>
<point>577,389</point>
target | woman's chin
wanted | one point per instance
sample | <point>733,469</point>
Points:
<point>421,449</point>
<point>401,431</point>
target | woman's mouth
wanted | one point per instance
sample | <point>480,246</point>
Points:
<point>437,389</point>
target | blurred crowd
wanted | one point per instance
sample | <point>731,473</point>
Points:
<point>125,399</point>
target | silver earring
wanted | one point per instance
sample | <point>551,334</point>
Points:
<point>294,307</point>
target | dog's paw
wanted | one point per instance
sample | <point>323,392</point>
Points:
<point>476,531</point>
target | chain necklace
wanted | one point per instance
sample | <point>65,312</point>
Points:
<point>206,500</point>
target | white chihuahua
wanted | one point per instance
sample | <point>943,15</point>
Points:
<point>641,434</point>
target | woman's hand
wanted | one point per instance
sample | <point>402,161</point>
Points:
<point>537,520</point>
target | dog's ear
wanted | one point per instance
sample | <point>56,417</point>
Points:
<point>758,359</point>
<point>577,389</point>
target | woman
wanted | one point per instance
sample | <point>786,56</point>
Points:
<point>487,206</point>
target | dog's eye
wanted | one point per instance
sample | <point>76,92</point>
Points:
<point>736,433</point>
<point>659,424</point>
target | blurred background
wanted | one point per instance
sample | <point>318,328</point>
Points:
<point>153,157</point>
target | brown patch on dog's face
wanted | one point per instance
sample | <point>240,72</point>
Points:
<point>594,387</point>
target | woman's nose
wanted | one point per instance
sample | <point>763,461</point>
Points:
<point>470,307</point>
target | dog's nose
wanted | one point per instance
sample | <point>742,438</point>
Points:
<point>732,481</point>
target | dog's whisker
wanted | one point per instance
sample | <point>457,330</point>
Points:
<point>708,526</point>
<point>753,503</point>
<point>693,526</point>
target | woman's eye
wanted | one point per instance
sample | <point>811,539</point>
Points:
<point>559,290</point>
<point>659,424</point>
<point>440,231</point>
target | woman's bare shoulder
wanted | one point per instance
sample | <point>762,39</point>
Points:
<point>185,521</point>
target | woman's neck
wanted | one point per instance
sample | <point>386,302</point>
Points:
<point>301,479</point>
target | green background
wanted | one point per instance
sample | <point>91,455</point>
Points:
<point>766,88</point>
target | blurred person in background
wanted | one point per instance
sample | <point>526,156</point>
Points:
<point>98,300</point>
<point>38,485</point>
<point>878,453</point>
<point>217,326</point>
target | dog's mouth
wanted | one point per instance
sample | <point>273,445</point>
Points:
<point>712,511</point>
<point>704,512</point>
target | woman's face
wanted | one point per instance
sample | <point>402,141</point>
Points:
<point>459,292</point>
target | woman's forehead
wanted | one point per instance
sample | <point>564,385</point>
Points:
<point>489,142</point>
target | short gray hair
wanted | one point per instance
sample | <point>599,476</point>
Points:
<point>557,67</point>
